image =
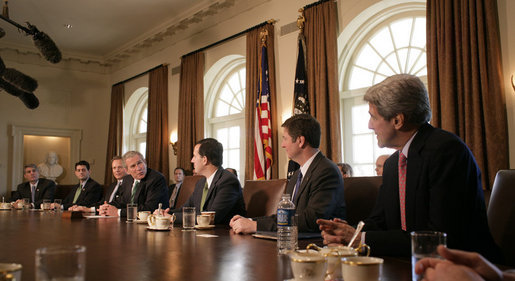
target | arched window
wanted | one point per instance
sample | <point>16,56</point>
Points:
<point>135,121</point>
<point>393,43</point>
<point>225,108</point>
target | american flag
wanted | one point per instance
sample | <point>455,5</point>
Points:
<point>263,127</point>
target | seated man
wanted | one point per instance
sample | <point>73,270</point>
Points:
<point>380,163</point>
<point>219,191</point>
<point>143,186</point>
<point>345,169</point>
<point>432,182</point>
<point>35,188</point>
<point>86,193</point>
<point>112,191</point>
<point>316,188</point>
<point>175,188</point>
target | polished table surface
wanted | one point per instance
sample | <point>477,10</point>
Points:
<point>117,250</point>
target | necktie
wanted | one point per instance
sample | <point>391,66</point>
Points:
<point>114,191</point>
<point>174,196</point>
<point>33,192</point>
<point>204,196</point>
<point>77,193</point>
<point>134,189</point>
<point>297,186</point>
<point>402,188</point>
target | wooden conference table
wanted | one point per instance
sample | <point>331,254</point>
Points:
<point>116,250</point>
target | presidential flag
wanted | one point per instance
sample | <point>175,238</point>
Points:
<point>263,127</point>
<point>300,92</point>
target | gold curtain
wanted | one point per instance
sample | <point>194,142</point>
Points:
<point>465,78</point>
<point>115,133</point>
<point>191,108</point>
<point>157,126</point>
<point>251,92</point>
<point>320,31</point>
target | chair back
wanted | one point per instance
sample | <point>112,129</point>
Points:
<point>187,187</point>
<point>501,214</point>
<point>262,196</point>
<point>360,196</point>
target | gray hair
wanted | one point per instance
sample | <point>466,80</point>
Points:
<point>401,93</point>
<point>130,154</point>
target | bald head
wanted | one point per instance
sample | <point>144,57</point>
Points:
<point>380,163</point>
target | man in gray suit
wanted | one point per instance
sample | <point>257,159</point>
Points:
<point>35,188</point>
<point>316,188</point>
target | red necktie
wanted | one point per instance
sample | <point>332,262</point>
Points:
<point>402,188</point>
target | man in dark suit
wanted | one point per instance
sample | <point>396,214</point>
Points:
<point>87,192</point>
<point>35,188</point>
<point>316,188</point>
<point>112,190</point>
<point>143,186</point>
<point>219,191</point>
<point>432,182</point>
<point>175,188</point>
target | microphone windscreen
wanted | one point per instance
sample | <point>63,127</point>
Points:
<point>47,47</point>
<point>20,80</point>
<point>2,32</point>
<point>11,89</point>
<point>30,100</point>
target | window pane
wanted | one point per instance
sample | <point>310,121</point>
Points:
<point>222,109</point>
<point>234,158</point>
<point>234,139</point>
<point>360,78</point>
<point>222,136</point>
<point>363,170</point>
<point>142,125</point>
<point>401,31</point>
<point>368,58</point>
<point>362,152</point>
<point>419,34</point>
<point>142,147</point>
<point>382,41</point>
<point>360,119</point>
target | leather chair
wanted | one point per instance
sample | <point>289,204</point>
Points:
<point>360,196</point>
<point>262,196</point>
<point>501,214</point>
<point>187,187</point>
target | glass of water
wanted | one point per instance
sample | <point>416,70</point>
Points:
<point>132,210</point>
<point>423,245</point>
<point>61,263</point>
<point>188,217</point>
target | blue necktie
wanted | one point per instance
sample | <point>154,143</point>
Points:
<point>297,187</point>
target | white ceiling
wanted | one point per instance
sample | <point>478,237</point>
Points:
<point>103,28</point>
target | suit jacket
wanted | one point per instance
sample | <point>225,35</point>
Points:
<point>107,194</point>
<point>89,196</point>
<point>225,196</point>
<point>44,190</point>
<point>151,191</point>
<point>320,195</point>
<point>443,193</point>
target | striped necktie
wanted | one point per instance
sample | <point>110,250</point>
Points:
<point>134,189</point>
<point>402,188</point>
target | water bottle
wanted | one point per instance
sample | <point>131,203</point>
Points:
<point>286,225</point>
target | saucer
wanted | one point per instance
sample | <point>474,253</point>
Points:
<point>158,229</point>
<point>205,227</point>
<point>140,221</point>
<point>5,209</point>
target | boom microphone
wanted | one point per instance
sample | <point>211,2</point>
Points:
<point>45,45</point>
<point>2,32</point>
<point>20,80</point>
<point>30,100</point>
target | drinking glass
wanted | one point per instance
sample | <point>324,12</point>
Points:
<point>61,263</point>
<point>132,211</point>
<point>26,203</point>
<point>46,204</point>
<point>423,245</point>
<point>188,217</point>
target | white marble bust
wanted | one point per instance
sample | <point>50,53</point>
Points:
<point>50,169</point>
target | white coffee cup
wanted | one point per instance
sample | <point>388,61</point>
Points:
<point>158,222</point>
<point>203,220</point>
<point>10,271</point>
<point>334,255</point>
<point>143,215</point>
<point>308,265</point>
<point>362,268</point>
<point>211,215</point>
